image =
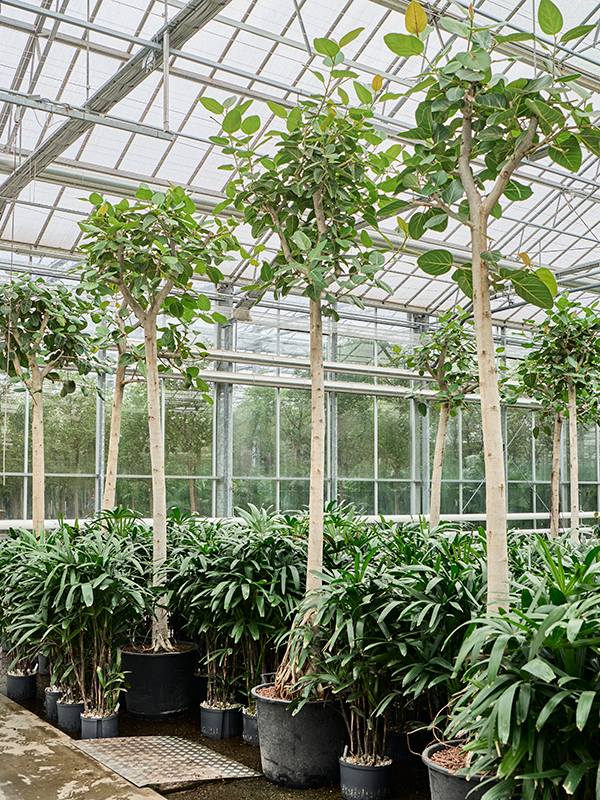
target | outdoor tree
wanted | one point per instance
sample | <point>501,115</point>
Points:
<point>562,372</point>
<point>473,129</point>
<point>43,330</point>
<point>317,190</point>
<point>446,354</point>
<point>148,253</point>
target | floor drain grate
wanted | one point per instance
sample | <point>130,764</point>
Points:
<point>160,760</point>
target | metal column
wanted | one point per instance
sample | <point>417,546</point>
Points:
<point>100,438</point>
<point>223,415</point>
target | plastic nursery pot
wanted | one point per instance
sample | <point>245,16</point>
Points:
<point>69,716</point>
<point>99,727</point>
<point>359,782</point>
<point>50,699</point>
<point>43,665</point>
<point>161,685</point>
<point>447,785</point>
<point>405,748</point>
<point>20,687</point>
<point>220,723</point>
<point>299,751</point>
<point>250,729</point>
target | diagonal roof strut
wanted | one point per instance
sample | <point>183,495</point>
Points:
<point>181,28</point>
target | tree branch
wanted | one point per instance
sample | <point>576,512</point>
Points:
<point>319,214</point>
<point>464,158</point>
<point>502,180</point>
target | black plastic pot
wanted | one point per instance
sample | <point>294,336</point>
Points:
<point>220,723</point>
<point>161,685</point>
<point>69,716</point>
<point>50,703</point>
<point>301,751</point>
<point>43,665</point>
<point>250,729</point>
<point>200,688</point>
<point>99,727</point>
<point>20,687</point>
<point>366,783</point>
<point>405,748</point>
<point>446,785</point>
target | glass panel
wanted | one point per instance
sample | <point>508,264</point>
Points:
<point>135,493</point>
<point>293,495</point>
<point>473,498</point>
<point>11,498</point>
<point>450,498</point>
<point>72,498</point>
<point>188,432</point>
<point>254,431</point>
<point>519,444</point>
<point>520,498</point>
<point>451,450</point>
<point>393,438</point>
<point>355,351</point>
<point>355,436</point>
<point>587,453</point>
<point>259,493</point>
<point>588,499</point>
<point>473,466</point>
<point>358,493</point>
<point>393,497</point>
<point>543,450</point>
<point>294,343</point>
<point>190,496</point>
<point>69,431</point>
<point>294,434</point>
<point>13,406</point>
<point>256,338</point>
<point>134,450</point>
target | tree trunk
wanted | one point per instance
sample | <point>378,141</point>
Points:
<point>555,477</point>
<point>38,491</point>
<point>574,462</point>
<point>160,631</point>
<point>491,422</point>
<point>317,449</point>
<point>110,485</point>
<point>438,462</point>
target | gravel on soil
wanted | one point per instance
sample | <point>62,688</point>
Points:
<point>407,784</point>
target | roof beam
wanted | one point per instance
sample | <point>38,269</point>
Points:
<point>181,28</point>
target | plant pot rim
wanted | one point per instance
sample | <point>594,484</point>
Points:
<point>278,700</point>
<point>188,645</point>
<point>365,767</point>
<point>232,707</point>
<point>249,714</point>
<point>98,716</point>
<point>18,675</point>
<point>70,702</point>
<point>433,748</point>
<point>49,689</point>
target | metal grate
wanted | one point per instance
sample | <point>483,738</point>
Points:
<point>160,760</point>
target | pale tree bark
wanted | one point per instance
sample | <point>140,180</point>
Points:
<point>38,479</point>
<point>438,463</point>
<point>573,462</point>
<point>555,476</point>
<point>317,449</point>
<point>160,630</point>
<point>112,458</point>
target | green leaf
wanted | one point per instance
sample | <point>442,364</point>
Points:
<point>350,37</point>
<point>504,706</point>
<point>403,45</point>
<point>453,192</point>
<point>566,153</point>
<point>326,47</point>
<point>517,191</point>
<point>514,37</point>
<point>88,594</point>
<point>576,33</point>
<point>584,706</point>
<point>464,278</point>
<point>549,18</point>
<point>436,262</point>
<point>96,199</point>
<point>539,669</point>
<point>212,105</point>
<point>294,118</point>
<point>232,121</point>
<point>548,278</point>
<point>547,710</point>
<point>591,139</point>
<point>302,240</point>
<point>531,289</point>
<point>251,124</point>
<point>453,26</point>
<point>363,94</point>
<point>278,110</point>
<point>574,776</point>
<point>366,239</point>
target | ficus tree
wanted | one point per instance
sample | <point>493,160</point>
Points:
<point>148,252</point>
<point>43,330</point>
<point>562,372</point>
<point>447,355</point>
<point>473,129</point>
<point>321,185</point>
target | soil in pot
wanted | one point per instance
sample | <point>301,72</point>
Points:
<point>442,760</point>
<point>250,729</point>
<point>20,687</point>
<point>99,727</point>
<point>69,716</point>
<point>360,782</point>
<point>161,685</point>
<point>299,751</point>
<point>220,723</point>
<point>50,698</point>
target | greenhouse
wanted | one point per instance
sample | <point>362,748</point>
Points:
<point>299,399</point>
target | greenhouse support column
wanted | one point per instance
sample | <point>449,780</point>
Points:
<point>415,483</point>
<point>504,416</point>
<point>26,461</point>
<point>100,437</point>
<point>223,429</point>
<point>425,466</point>
<point>333,416</point>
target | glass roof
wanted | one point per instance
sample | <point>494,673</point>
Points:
<point>69,124</point>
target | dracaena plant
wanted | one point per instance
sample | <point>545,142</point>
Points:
<point>474,128</point>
